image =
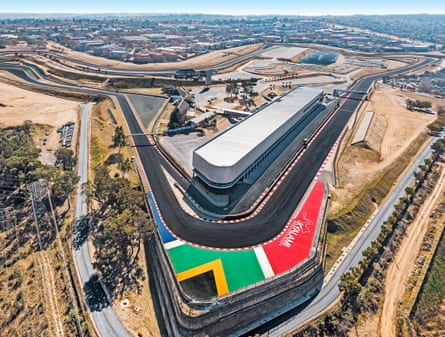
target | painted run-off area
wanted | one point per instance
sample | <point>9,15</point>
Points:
<point>235,269</point>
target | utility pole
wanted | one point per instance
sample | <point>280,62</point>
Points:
<point>14,219</point>
<point>31,188</point>
<point>62,253</point>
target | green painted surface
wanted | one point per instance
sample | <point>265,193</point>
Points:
<point>241,268</point>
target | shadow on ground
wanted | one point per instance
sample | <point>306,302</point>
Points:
<point>81,231</point>
<point>95,295</point>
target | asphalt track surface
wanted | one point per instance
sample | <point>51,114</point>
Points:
<point>93,68</point>
<point>272,218</point>
<point>269,222</point>
<point>330,290</point>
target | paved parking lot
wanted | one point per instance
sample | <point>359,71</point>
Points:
<point>181,148</point>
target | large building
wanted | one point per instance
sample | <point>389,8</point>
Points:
<point>232,155</point>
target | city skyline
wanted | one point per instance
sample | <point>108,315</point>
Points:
<point>228,7</point>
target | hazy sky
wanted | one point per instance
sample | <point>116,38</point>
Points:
<point>235,7</point>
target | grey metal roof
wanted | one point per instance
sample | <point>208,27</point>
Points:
<point>363,127</point>
<point>230,147</point>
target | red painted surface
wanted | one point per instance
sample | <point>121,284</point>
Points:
<point>295,242</point>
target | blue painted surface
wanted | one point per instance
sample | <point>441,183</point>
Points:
<point>164,233</point>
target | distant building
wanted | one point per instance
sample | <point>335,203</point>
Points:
<point>419,48</point>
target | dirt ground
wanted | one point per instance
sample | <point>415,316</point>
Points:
<point>402,128</point>
<point>355,170</point>
<point>18,105</point>
<point>138,315</point>
<point>400,271</point>
<point>338,63</point>
<point>21,105</point>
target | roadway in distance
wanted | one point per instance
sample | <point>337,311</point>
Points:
<point>272,218</point>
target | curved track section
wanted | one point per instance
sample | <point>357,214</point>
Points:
<point>270,221</point>
<point>273,217</point>
<point>94,68</point>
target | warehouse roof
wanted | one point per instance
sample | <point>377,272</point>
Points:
<point>228,148</point>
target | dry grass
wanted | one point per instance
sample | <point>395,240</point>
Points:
<point>35,297</point>
<point>146,91</point>
<point>139,317</point>
<point>23,279</point>
<point>345,225</point>
<point>365,176</point>
<point>364,72</point>
<point>102,131</point>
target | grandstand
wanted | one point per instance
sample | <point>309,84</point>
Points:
<point>363,127</point>
<point>370,131</point>
<point>233,155</point>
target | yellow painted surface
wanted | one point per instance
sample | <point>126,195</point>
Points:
<point>218,272</point>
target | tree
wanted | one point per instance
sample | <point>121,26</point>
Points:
<point>418,175</point>
<point>246,87</point>
<point>65,157</point>
<point>423,104</point>
<point>102,184</point>
<point>409,190</point>
<point>125,165</point>
<point>63,185</point>
<point>229,88</point>
<point>350,285</point>
<point>118,251</point>
<point>119,139</point>
<point>235,89</point>
<point>439,146</point>
<point>370,253</point>
<point>121,222</point>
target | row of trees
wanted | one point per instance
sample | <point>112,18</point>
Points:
<point>439,122</point>
<point>20,164</point>
<point>362,286</point>
<point>120,221</point>
<point>417,104</point>
<point>245,88</point>
<point>20,169</point>
<point>119,140</point>
<point>234,88</point>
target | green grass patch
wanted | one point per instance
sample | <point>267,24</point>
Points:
<point>433,290</point>
<point>95,152</point>
<point>99,147</point>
